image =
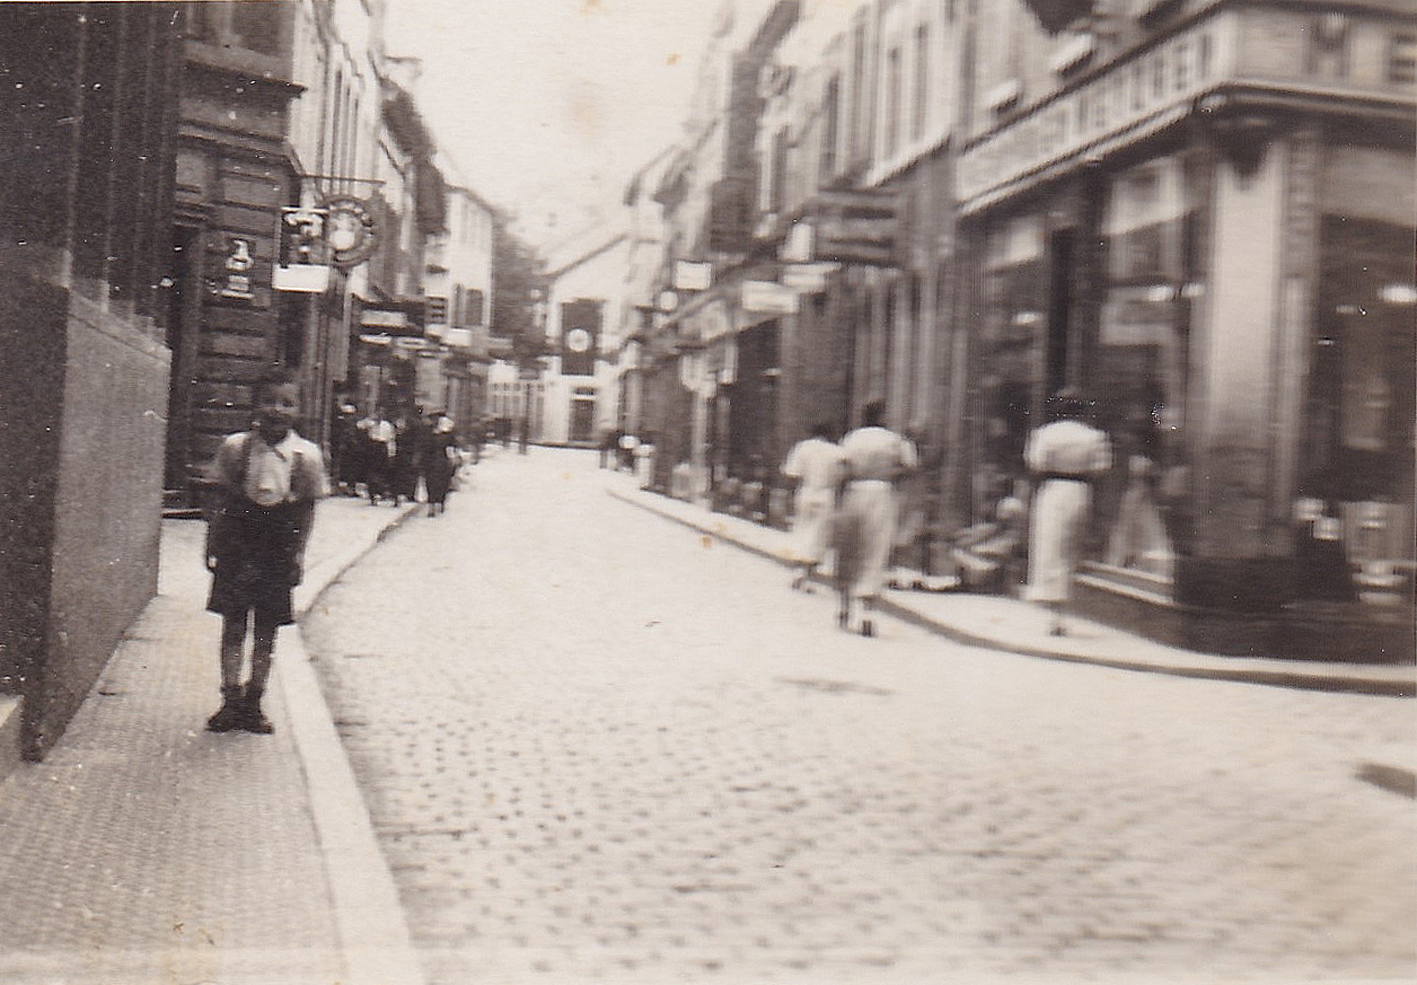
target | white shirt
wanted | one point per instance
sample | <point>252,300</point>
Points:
<point>816,461</point>
<point>877,453</point>
<point>291,469</point>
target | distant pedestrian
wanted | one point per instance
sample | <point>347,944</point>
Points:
<point>379,445</point>
<point>523,434</point>
<point>1065,456</point>
<point>627,443</point>
<point>477,434</point>
<point>266,480</point>
<point>346,449</point>
<point>876,458</point>
<point>409,436</point>
<point>440,462</point>
<point>609,447</point>
<point>816,463</point>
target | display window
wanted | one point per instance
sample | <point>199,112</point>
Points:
<point>1151,275</point>
<point>1359,440</point>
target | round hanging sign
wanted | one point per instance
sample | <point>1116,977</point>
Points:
<point>351,230</point>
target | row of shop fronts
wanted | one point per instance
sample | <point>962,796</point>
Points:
<point>1212,244</point>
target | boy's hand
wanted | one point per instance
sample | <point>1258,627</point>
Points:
<point>211,562</point>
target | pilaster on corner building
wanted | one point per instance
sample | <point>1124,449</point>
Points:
<point>1199,212</point>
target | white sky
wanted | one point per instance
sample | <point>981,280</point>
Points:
<point>551,105</point>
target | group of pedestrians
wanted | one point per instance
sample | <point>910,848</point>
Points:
<point>846,501</point>
<point>849,501</point>
<point>385,459</point>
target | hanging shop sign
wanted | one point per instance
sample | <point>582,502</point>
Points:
<point>768,297</point>
<point>392,318</point>
<point>708,323</point>
<point>808,278</point>
<point>302,262</point>
<point>351,230</point>
<point>692,275</point>
<point>857,227</point>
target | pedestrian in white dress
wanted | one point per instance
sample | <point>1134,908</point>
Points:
<point>817,465</point>
<point>876,458</point>
<point>1065,456</point>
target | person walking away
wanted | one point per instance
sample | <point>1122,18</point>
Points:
<point>816,463</point>
<point>408,452</point>
<point>266,483</point>
<point>440,462</point>
<point>346,450</point>
<point>1065,456</point>
<point>875,458</point>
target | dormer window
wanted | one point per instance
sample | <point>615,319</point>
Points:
<point>1075,51</point>
<point>1004,96</point>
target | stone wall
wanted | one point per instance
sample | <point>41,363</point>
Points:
<point>85,397</point>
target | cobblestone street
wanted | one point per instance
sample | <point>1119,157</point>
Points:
<point>600,747</point>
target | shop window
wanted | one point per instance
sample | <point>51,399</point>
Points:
<point>1363,390</point>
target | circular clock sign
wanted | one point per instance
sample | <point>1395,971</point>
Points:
<point>350,229</point>
<point>578,340</point>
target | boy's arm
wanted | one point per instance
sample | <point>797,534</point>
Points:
<point>215,502</point>
<point>312,487</point>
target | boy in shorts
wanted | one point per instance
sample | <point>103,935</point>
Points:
<point>267,480</point>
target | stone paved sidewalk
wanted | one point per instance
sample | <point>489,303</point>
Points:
<point>1009,624</point>
<point>146,850</point>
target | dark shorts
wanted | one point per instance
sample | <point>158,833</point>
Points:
<point>256,551</point>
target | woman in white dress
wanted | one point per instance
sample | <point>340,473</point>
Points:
<point>1065,457</point>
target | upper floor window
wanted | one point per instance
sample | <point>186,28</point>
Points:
<point>1402,58</point>
<point>858,88</point>
<point>831,111</point>
<point>893,83</point>
<point>249,24</point>
<point>257,25</point>
<point>920,106</point>
<point>1328,46</point>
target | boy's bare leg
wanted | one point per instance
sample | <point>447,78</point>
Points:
<point>233,639</point>
<point>261,650</point>
<point>264,634</point>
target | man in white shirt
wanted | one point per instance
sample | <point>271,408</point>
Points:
<point>816,463</point>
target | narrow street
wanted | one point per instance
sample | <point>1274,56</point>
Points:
<point>599,747</point>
